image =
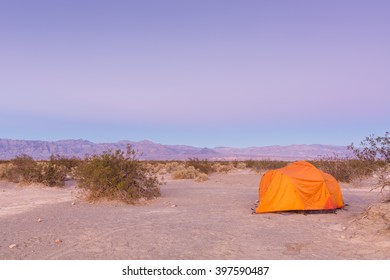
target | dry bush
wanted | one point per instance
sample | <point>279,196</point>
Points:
<point>202,165</point>
<point>383,182</point>
<point>185,173</point>
<point>189,173</point>
<point>376,151</point>
<point>4,165</point>
<point>23,169</point>
<point>149,165</point>
<point>346,169</point>
<point>173,166</point>
<point>117,175</point>
<point>26,170</point>
<point>52,174</point>
<point>55,171</point>
<point>263,165</point>
<point>241,165</point>
<point>157,166</point>
<point>373,155</point>
<point>223,167</point>
<point>373,148</point>
<point>201,177</point>
<point>67,163</point>
<point>375,220</point>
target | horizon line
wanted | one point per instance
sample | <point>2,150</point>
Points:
<point>151,141</point>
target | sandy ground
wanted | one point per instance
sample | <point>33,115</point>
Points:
<point>210,220</point>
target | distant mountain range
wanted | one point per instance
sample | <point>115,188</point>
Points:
<point>154,151</point>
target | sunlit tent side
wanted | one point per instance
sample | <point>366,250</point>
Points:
<point>298,186</point>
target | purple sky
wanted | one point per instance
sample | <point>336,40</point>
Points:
<point>204,73</point>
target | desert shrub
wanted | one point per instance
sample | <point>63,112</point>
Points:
<point>383,180</point>
<point>345,169</point>
<point>22,169</point>
<point>201,177</point>
<point>203,165</point>
<point>4,165</point>
<point>223,167</point>
<point>376,152</point>
<point>52,174</point>
<point>117,175</point>
<point>371,156</point>
<point>55,171</point>
<point>189,173</point>
<point>373,148</point>
<point>68,163</point>
<point>185,173</point>
<point>157,166</point>
<point>173,166</point>
<point>262,165</point>
<point>241,165</point>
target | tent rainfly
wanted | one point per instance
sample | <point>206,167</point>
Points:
<point>298,186</point>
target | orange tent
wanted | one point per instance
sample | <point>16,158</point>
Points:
<point>298,186</point>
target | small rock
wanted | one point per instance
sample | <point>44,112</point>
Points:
<point>58,241</point>
<point>39,220</point>
<point>173,205</point>
<point>73,203</point>
<point>256,201</point>
<point>12,246</point>
<point>344,228</point>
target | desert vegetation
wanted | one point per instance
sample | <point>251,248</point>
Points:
<point>371,157</point>
<point>122,175</point>
<point>347,169</point>
<point>24,169</point>
<point>263,165</point>
<point>375,150</point>
<point>117,175</point>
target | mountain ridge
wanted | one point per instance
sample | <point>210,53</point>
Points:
<point>40,149</point>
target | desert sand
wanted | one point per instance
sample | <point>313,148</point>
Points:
<point>209,220</point>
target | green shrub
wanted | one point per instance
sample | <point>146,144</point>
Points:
<point>68,163</point>
<point>52,174</point>
<point>117,175</point>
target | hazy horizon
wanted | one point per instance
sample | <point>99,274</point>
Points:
<point>200,73</point>
<point>178,144</point>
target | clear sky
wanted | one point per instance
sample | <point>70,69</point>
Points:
<point>204,73</point>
